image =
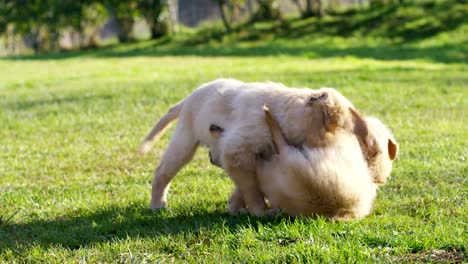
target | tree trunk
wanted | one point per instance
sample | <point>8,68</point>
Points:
<point>223,16</point>
<point>250,8</point>
<point>309,6</point>
<point>298,5</point>
<point>267,10</point>
<point>319,8</point>
<point>124,18</point>
<point>35,36</point>
<point>125,33</point>
<point>159,28</point>
<point>234,9</point>
<point>161,17</point>
<point>308,12</point>
<point>174,15</point>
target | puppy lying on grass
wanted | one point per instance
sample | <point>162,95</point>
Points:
<point>236,106</point>
<point>338,180</point>
<point>331,180</point>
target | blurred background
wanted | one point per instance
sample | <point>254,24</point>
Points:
<point>43,26</point>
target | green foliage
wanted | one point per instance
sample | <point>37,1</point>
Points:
<point>44,19</point>
<point>125,13</point>
<point>51,13</point>
<point>403,23</point>
<point>267,10</point>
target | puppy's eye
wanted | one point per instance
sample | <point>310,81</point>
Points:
<point>318,98</point>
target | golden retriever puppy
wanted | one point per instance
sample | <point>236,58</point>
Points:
<point>379,154</point>
<point>236,106</point>
<point>331,180</point>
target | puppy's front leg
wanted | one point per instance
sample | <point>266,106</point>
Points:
<point>246,182</point>
<point>239,160</point>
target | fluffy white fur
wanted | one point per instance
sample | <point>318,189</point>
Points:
<point>291,183</point>
<point>331,180</point>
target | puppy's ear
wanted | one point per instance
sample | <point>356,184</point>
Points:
<point>360,129</point>
<point>332,117</point>
<point>318,98</point>
<point>392,147</point>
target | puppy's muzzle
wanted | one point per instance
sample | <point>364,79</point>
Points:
<point>214,160</point>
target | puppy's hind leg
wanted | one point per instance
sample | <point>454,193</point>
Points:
<point>275,130</point>
<point>179,152</point>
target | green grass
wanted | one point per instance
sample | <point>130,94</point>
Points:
<point>72,189</point>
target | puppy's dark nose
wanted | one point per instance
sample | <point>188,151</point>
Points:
<point>318,98</point>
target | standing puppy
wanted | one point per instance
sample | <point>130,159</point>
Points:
<point>236,106</point>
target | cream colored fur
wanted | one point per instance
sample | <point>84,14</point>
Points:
<point>379,156</point>
<point>236,106</point>
<point>331,180</point>
<point>382,151</point>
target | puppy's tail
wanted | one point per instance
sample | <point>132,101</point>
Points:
<point>160,127</point>
<point>276,134</point>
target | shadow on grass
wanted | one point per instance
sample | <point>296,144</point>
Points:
<point>114,223</point>
<point>408,22</point>
<point>405,22</point>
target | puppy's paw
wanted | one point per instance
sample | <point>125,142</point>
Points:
<point>270,212</point>
<point>236,204</point>
<point>161,211</point>
<point>155,207</point>
<point>344,215</point>
<point>237,211</point>
<point>273,212</point>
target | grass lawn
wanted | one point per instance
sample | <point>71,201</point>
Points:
<point>73,190</point>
